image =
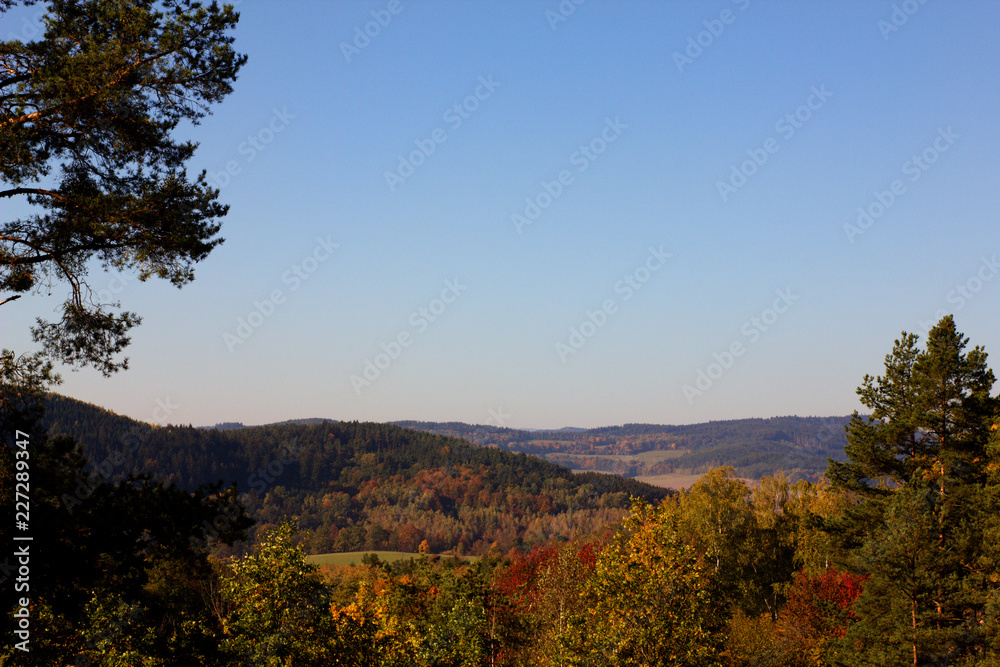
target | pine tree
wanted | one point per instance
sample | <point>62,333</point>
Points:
<point>917,470</point>
<point>87,115</point>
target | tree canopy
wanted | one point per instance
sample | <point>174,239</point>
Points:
<point>87,121</point>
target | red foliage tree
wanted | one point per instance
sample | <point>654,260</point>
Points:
<point>819,608</point>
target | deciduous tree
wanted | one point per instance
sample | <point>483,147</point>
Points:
<point>650,598</point>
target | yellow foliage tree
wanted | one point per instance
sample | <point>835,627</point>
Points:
<point>650,599</point>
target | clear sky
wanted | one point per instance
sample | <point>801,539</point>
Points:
<point>545,214</point>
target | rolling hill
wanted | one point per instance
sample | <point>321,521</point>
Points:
<point>361,486</point>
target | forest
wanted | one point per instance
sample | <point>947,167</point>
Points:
<point>867,541</point>
<point>890,559</point>
<point>355,486</point>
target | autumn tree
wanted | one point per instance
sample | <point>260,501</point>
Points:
<point>744,535</point>
<point>649,599</point>
<point>278,609</point>
<point>819,609</point>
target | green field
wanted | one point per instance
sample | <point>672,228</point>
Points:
<point>354,557</point>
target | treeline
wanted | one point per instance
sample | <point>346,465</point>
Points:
<point>356,486</point>
<point>719,575</point>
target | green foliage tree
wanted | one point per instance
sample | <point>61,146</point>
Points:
<point>87,115</point>
<point>278,609</point>
<point>457,629</point>
<point>110,561</point>
<point>918,470</point>
<point>747,536</point>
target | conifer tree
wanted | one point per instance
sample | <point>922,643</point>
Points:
<point>918,469</point>
<point>87,117</point>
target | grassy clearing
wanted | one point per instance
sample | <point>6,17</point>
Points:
<point>649,458</point>
<point>354,557</point>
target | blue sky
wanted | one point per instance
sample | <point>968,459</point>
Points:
<point>696,252</point>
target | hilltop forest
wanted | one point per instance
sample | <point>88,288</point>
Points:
<point>357,486</point>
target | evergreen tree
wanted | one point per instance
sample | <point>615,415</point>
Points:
<point>918,469</point>
<point>87,115</point>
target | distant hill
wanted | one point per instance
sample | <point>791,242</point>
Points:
<point>362,486</point>
<point>228,426</point>
<point>389,487</point>
<point>799,446</point>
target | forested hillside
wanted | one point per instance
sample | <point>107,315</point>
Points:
<point>357,486</point>
<point>891,559</point>
<point>798,446</point>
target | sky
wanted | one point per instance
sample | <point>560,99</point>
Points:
<point>548,214</point>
